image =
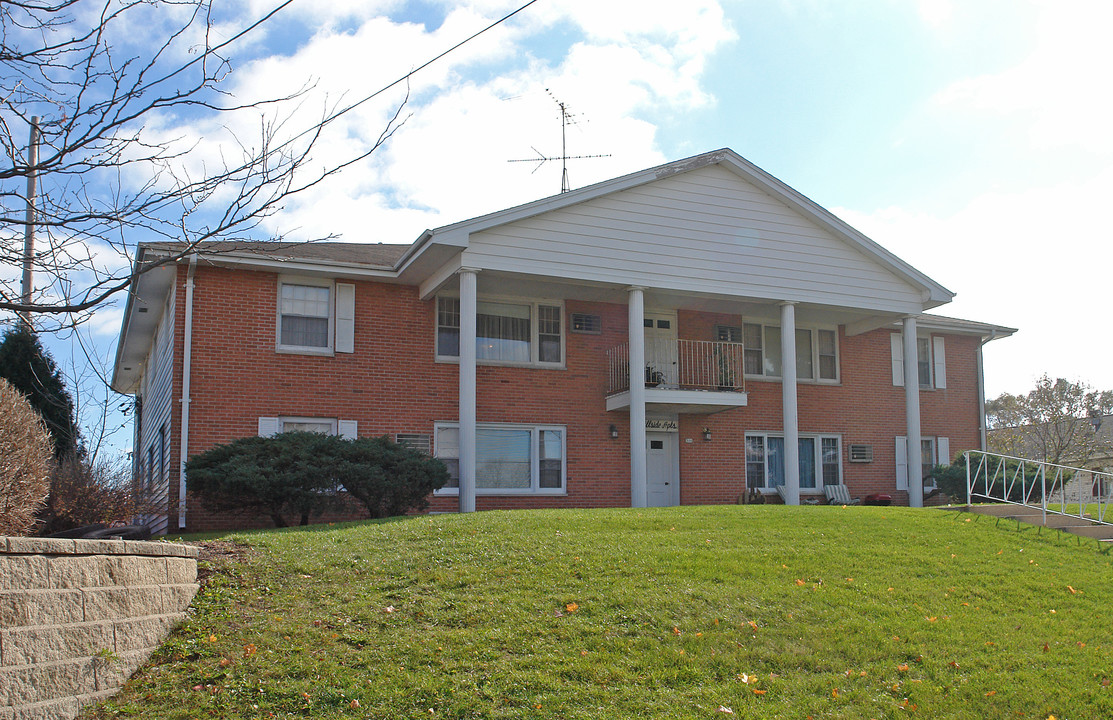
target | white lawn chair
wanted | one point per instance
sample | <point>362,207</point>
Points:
<point>839,495</point>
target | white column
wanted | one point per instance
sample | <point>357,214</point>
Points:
<point>467,389</point>
<point>639,496</point>
<point>788,403</point>
<point>912,413</point>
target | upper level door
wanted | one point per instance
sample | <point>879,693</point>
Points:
<point>660,349</point>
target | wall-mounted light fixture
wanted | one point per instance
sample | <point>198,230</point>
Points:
<point>614,431</point>
<point>707,434</point>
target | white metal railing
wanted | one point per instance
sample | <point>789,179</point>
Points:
<point>686,364</point>
<point>1055,489</point>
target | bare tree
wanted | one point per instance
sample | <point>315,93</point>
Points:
<point>1052,422</point>
<point>105,178</point>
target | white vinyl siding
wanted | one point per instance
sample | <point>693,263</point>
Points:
<point>154,433</point>
<point>705,231</point>
<point>511,459</point>
<point>931,361</point>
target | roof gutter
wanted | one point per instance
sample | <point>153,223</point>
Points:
<point>187,359</point>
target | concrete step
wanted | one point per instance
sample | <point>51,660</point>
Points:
<point>1098,532</point>
<point>1006,510</point>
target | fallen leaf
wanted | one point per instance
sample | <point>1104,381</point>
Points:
<point>1072,590</point>
<point>249,649</point>
<point>572,607</point>
<point>699,634</point>
<point>212,638</point>
<point>583,652</point>
<point>353,704</point>
<point>759,692</point>
<point>953,664</point>
<point>799,582</point>
<point>991,693</point>
<point>903,667</point>
<point>316,623</point>
<point>1052,612</point>
<point>389,609</point>
<point>1105,682</point>
<point>753,626</point>
<point>930,619</point>
<point>1046,648</point>
<point>225,662</point>
<point>725,709</point>
<point>1081,644</point>
<point>675,630</point>
<point>850,579</point>
<point>835,693</point>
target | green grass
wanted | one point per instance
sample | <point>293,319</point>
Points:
<point>768,611</point>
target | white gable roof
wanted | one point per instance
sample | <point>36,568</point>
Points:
<point>713,224</point>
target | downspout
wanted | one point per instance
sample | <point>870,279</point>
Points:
<point>187,359</point>
<point>981,391</point>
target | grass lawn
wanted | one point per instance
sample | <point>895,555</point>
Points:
<point>692,612</point>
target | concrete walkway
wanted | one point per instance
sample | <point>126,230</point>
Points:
<point>1034,516</point>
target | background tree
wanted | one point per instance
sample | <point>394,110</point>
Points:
<point>103,76</point>
<point>1052,422</point>
<point>30,370</point>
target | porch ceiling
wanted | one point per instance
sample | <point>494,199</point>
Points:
<point>533,286</point>
<point>682,402</point>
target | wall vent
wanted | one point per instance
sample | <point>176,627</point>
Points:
<point>861,453</point>
<point>584,323</point>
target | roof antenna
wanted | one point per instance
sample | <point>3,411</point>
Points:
<point>566,119</point>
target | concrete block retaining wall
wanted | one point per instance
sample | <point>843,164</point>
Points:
<point>78,617</point>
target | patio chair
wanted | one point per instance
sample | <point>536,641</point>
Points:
<point>804,500</point>
<point>839,495</point>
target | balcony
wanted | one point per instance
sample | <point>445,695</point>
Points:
<point>681,376</point>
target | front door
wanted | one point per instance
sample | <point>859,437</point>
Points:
<point>660,349</point>
<point>662,468</point>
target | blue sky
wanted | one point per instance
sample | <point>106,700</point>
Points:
<point>971,138</point>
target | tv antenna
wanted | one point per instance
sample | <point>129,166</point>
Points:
<point>566,119</point>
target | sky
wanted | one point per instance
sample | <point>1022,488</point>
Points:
<point>973,139</point>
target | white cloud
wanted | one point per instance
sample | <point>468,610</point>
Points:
<point>1036,260</point>
<point>1061,89</point>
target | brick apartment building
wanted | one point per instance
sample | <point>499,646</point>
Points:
<point>765,337</point>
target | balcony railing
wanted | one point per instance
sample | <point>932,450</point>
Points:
<point>680,365</point>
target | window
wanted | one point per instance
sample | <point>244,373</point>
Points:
<point>304,312</point>
<point>326,426</point>
<point>819,461</point>
<point>816,352</point>
<point>509,459</point>
<point>923,361</point>
<point>505,332</point>
<point>931,361</point>
<point>933,451</point>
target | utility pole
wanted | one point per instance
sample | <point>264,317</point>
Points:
<point>29,227</point>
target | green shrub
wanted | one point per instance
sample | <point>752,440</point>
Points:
<point>307,473</point>
<point>388,478</point>
<point>275,476</point>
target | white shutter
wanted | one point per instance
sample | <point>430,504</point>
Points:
<point>902,462</point>
<point>942,451</point>
<point>348,429</point>
<point>897,342</point>
<point>940,356</point>
<point>345,317</point>
<point>269,426</point>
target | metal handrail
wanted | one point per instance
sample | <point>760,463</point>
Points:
<point>1037,483</point>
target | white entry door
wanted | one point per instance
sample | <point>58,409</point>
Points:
<point>662,468</point>
<point>660,349</point>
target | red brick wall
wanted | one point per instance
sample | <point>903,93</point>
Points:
<point>392,384</point>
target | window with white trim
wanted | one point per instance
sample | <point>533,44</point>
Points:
<point>820,460</point>
<point>931,361</point>
<point>510,459</point>
<point>817,353</point>
<point>933,451</point>
<point>506,332</point>
<point>326,426</point>
<point>305,316</point>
